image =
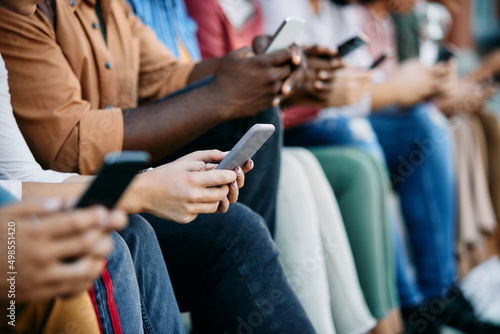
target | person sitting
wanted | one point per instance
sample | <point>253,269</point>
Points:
<point>208,242</point>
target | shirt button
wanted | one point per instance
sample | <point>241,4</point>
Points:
<point>109,65</point>
<point>109,106</point>
<point>72,3</point>
<point>94,25</point>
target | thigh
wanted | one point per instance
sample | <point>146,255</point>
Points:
<point>339,131</point>
<point>225,270</point>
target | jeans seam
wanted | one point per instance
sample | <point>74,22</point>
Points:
<point>102,297</point>
<point>148,329</point>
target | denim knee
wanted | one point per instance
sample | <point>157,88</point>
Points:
<point>244,232</point>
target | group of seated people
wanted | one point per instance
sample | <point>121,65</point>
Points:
<point>350,219</point>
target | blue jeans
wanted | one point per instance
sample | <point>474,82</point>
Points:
<point>415,143</point>
<point>141,286</point>
<point>225,270</point>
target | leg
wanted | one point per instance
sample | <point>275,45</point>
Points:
<point>225,270</point>
<point>420,163</point>
<point>349,309</point>
<point>298,238</point>
<point>357,184</point>
<point>125,291</point>
<point>158,303</point>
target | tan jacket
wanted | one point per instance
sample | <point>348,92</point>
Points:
<point>68,86</point>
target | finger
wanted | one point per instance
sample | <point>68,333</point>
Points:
<point>278,74</point>
<point>291,82</point>
<point>319,64</point>
<point>248,166</point>
<point>320,51</point>
<point>85,268</point>
<point>233,192</point>
<point>93,242</point>
<point>223,206</point>
<point>118,220</point>
<point>195,166</point>
<point>215,177</point>
<point>276,58</point>
<point>206,208</point>
<point>208,156</point>
<point>260,43</point>
<point>28,209</point>
<point>297,54</point>
<point>241,53</point>
<point>214,194</point>
<point>240,178</point>
<point>74,222</point>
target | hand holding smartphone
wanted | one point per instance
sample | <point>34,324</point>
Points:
<point>286,34</point>
<point>247,146</point>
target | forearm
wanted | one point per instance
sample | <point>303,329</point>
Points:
<point>204,69</point>
<point>164,127</point>
<point>41,191</point>
<point>132,202</point>
<point>383,94</point>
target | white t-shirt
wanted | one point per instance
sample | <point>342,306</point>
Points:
<point>330,27</point>
<point>17,163</point>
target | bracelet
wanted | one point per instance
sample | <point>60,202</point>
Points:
<point>144,171</point>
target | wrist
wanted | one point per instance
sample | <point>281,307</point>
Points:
<point>224,109</point>
<point>135,199</point>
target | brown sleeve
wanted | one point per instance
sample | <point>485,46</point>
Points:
<point>59,126</point>
<point>160,72</point>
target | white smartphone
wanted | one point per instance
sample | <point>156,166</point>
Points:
<point>286,34</point>
<point>247,146</point>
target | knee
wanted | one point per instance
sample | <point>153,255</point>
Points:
<point>138,231</point>
<point>244,232</point>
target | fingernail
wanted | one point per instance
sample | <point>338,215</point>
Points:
<point>251,164</point>
<point>276,101</point>
<point>287,89</point>
<point>239,171</point>
<point>226,152</point>
<point>318,84</point>
<point>235,185</point>
<point>323,74</point>
<point>102,216</point>
<point>52,204</point>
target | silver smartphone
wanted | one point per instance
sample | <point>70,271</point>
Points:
<point>247,146</point>
<point>286,34</point>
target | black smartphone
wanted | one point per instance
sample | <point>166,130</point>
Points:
<point>117,172</point>
<point>352,44</point>
<point>386,55</point>
<point>445,54</point>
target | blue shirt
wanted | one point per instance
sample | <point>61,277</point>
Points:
<point>171,22</point>
<point>6,197</point>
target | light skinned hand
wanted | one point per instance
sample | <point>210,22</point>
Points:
<point>45,244</point>
<point>350,85</point>
<point>413,82</point>
<point>181,190</point>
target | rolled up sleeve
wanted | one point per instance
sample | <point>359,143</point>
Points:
<point>60,127</point>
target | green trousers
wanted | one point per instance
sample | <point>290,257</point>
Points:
<point>361,185</point>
